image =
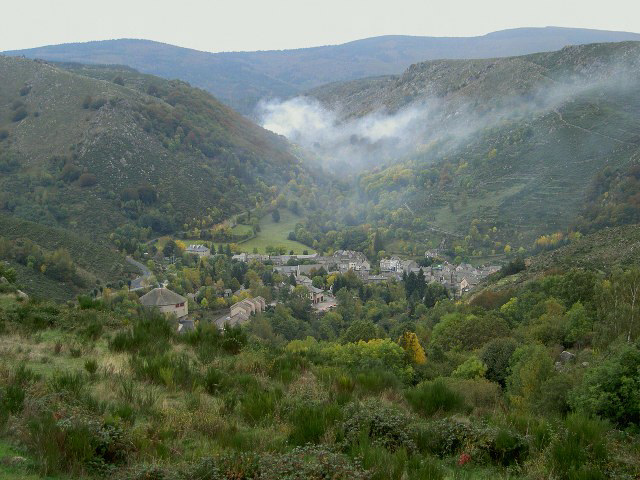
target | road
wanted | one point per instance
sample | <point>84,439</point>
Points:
<point>146,273</point>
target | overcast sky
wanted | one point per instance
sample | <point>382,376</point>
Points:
<point>226,25</point>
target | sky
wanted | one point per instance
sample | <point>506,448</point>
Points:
<point>235,25</point>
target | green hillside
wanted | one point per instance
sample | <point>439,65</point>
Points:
<point>100,147</point>
<point>514,147</point>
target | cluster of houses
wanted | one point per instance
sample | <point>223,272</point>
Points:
<point>241,312</point>
<point>458,279</point>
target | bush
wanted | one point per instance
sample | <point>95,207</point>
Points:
<point>446,436</point>
<point>149,335</point>
<point>612,389</point>
<point>496,356</point>
<point>213,380</point>
<point>429,398</point>
<point>20,114</point>
<point>97,104</point>
<point>74,444</point>
<point>580,451</point>
<point>69,383</point>
<point>4,134</point>
<point>257,405</point>
<point>309,423</point>
<point>472,367</point>
<point>308,462</point>
<point>383,425</point>
<point>91,366</point>
<point>87,180</point>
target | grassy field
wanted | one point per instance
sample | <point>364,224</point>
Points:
<point>275,234</point>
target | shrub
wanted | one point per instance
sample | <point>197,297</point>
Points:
<point>213,380</point>
<point>581,450</point>
<point>87,180</point>
<point>69,383</point>
<point>472,367</point>
<point>496,356</point>
<point>97,104</point>
<point>91,366</point>
<point>445,437</point>
<point>74,444</point>
<point>20,114</point>
<point>429,398</point>
<point>118,80</point>
<point>612,389</point>
<point>150,334</point>
<point>311,422</point>
<point>257,405</point>
<point>309,462</point>
<point>383,425</point>
<point>4,134</point>
<point>24,90</point>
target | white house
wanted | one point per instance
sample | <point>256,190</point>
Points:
<point>199,250</point>
<point>168,302</point>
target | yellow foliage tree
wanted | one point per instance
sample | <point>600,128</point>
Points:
<point>411,345</point>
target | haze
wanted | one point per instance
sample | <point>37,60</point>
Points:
<point>279,24</point>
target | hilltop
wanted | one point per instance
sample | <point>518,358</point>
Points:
<point>241,79</point>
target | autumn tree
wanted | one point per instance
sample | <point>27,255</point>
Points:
<point>411,345</point>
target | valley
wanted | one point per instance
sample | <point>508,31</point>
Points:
<point>400,267</point>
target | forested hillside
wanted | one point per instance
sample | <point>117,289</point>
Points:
<point>93,149</point>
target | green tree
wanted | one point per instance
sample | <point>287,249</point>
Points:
<point>611,390</point>
<point>275,215</point>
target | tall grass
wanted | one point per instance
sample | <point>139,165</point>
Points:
<point>310,423</point>
<point>429,398</point>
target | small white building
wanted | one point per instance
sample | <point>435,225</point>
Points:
<point>199,250</point>
<point>168,302</point>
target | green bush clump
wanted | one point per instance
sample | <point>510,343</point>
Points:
<point>611,390</point>
<point>383,425</point>
<point>91,366</point>
<point>580,452</point>
<point>166,369</point>
<point>150,334</point>
<point>75,444</point>
<point>310,423</point>
<point>69,383</point>
<point>257,404</point>
<point>213,380</point>
<point>429,398</point>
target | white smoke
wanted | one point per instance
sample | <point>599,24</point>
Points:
<point>380,137</point>
<point>352,143</point>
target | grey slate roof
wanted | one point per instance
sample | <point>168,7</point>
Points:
<point>159,297</point>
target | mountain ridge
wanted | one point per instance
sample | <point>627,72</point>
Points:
<point>242,79</point>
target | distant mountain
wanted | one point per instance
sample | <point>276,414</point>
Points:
<point>241,79</point>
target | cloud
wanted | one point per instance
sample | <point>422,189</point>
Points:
<point>381,138</point>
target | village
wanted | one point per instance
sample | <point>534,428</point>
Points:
<point>300,271</point>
